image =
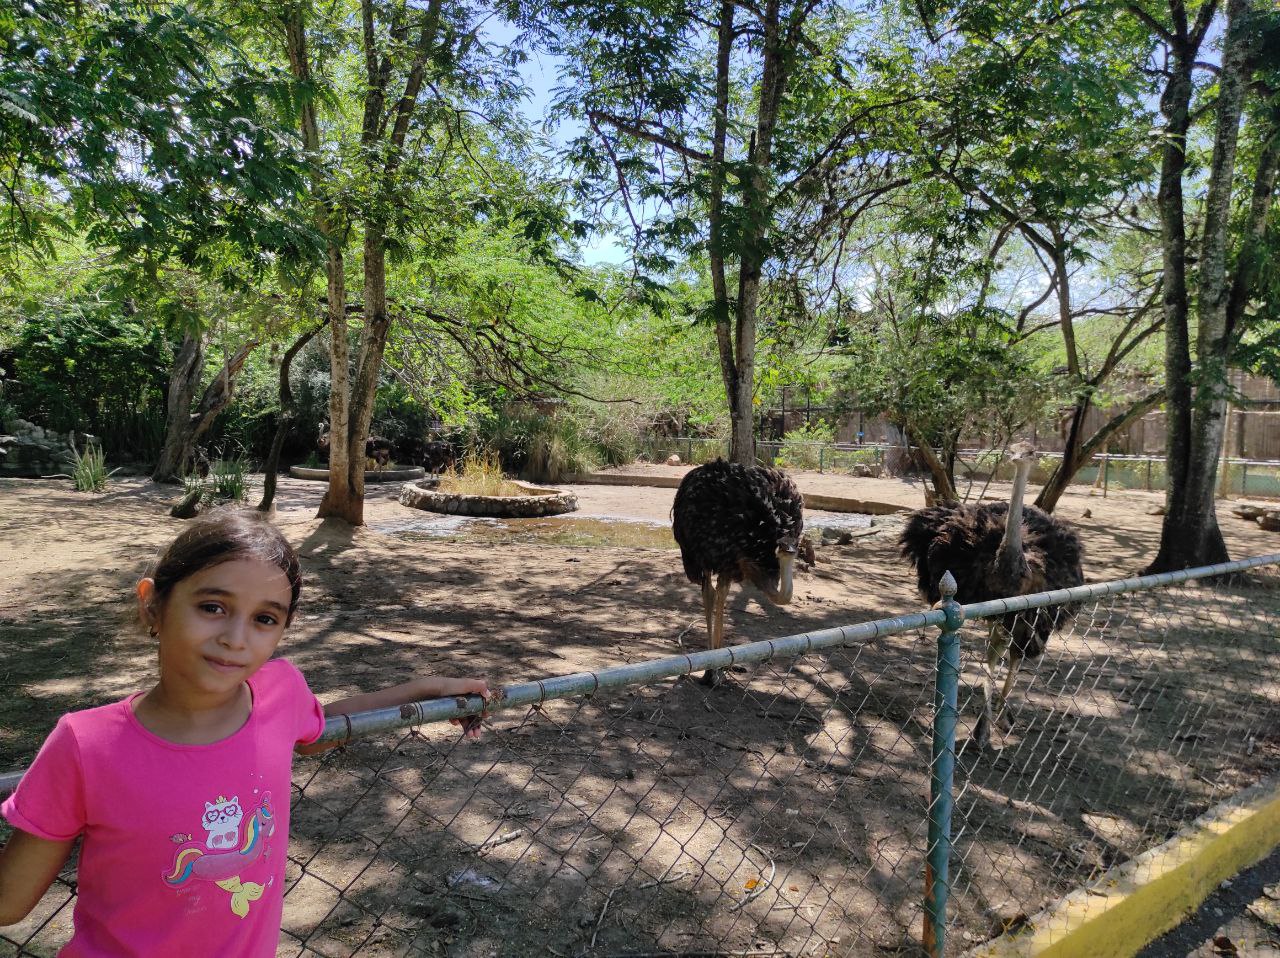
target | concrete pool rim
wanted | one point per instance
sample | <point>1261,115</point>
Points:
<point>537,502</point>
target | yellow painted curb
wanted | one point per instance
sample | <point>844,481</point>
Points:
<point>1134,903</point>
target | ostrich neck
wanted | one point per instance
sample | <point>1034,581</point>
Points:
<point>781,593</point>
<point>1009,557</point>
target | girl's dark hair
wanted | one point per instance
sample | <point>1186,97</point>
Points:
<point>224,536</point>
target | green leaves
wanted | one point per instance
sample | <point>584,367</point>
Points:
<point>150,126</point>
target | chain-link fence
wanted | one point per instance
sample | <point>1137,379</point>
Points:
<point>1145,710</point>
<point>637,812</point>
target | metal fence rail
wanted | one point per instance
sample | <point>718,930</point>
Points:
<point>790,811</point>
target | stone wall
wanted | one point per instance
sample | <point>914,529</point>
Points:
<point>29,451</point>
<point>539,502</point>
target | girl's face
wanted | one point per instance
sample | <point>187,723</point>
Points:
<point>218,626</point>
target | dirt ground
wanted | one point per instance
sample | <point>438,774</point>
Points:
<point>832,744</point>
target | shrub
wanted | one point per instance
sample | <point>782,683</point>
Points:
<point>480,474</point>
<point>91,368</point>
<point>192,482</point>
<point>801,448</point>
<point>90,469</point>
<point>229,477</point>
<point>542,447</point>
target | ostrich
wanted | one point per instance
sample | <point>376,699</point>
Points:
<point>735,522</point>
<point>996,551</point>
<point>377,451</point>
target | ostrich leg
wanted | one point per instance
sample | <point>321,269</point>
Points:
<point>997,643</point>
<point>1015,663</point>
<point>712,677</point>
<point>708,608</point>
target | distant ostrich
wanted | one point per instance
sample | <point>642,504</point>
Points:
<point>995,551</point>
<point>377,451</point>
<point>734,522</point>
<point>437,455</point>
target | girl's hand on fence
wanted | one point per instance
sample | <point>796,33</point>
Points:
<point>461,687</point>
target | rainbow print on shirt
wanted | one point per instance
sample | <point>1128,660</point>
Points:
<point>242,842</point>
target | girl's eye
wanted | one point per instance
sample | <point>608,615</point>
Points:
<point>267,619</point>
<point>210,607</point>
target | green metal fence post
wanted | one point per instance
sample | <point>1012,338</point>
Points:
<point>942,771</point>
<point>821,451</point>
<point>688,450</point>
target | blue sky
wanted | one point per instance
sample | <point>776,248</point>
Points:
<point>539,73</point>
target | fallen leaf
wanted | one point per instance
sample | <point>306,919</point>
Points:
<point>752,884</point>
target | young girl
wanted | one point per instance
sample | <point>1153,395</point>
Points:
<point>181,793</point>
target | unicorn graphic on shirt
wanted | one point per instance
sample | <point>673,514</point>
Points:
<point>222,820</point>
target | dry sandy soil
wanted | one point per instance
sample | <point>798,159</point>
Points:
<point>778,814</point>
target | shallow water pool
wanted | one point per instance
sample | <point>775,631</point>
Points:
<point>553,530</point>
<point>609,531</point>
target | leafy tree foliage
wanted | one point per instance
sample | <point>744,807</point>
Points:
<point>708,125</point>
<point>89,367</point>
<point>142,128</point>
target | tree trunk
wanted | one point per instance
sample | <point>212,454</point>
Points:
<point>716,247</point>
<point>188,363</point>
<point>187,426</point>
<point>944,490</point>
<point>288,417</point>
<point>1190,535</point>
<point>337,503</point>
<point>1078,455</point>
<point>755,229</point>
<point>351,405</point>
<point>742,447</point>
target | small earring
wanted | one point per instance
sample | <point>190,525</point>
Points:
<point>151,631</point>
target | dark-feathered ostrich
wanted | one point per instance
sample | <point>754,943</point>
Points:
<point>998,550</point>
<point>377,451</point>
<point>736,523</point>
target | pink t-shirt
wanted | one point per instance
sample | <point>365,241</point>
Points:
<point>184,845</point>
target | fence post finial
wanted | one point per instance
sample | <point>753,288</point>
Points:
<point>947,586</point>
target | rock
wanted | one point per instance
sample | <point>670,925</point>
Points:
<point>864,471</point>
<point>1155,511</point>
<point>1087,514</point>
<point>1270,520</point>
<point>1249,511</point>
<point>673,460</point>
<point>188,507</point>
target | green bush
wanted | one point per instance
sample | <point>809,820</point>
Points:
<point>90,469</point>
<point>802,448</point>
<point>90,368</point>
<point>539,446</point>
<point>229,477</point>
